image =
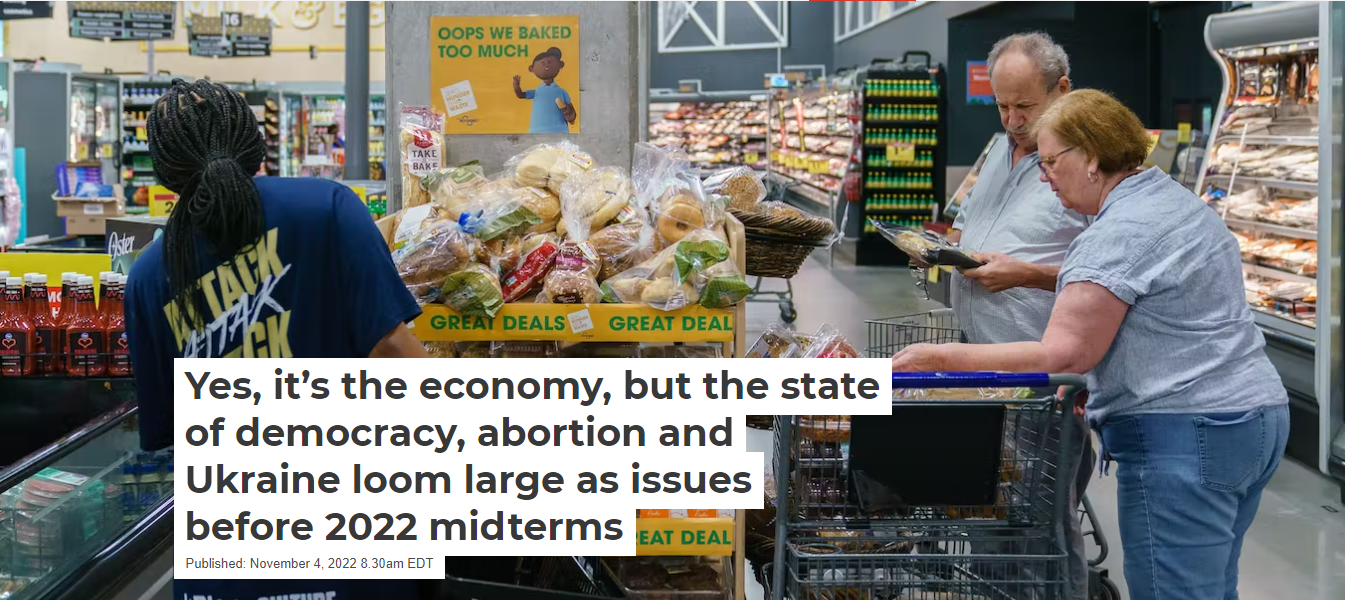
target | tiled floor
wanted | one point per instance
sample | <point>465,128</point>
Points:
<point>1294,551</point>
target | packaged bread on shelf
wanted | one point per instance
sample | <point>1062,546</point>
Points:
<point>421,143</point>
<point>434,252</point>
<point>473,291</point>
<point>539,254</point>
<point>549,166</point>
<point>623,244</point>
<point>587,201</point>
<point>452,190</point>
<point>593,199</point>
<point>696,270</point>
<point>743,185</point>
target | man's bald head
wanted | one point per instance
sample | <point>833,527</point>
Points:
<point>1028,72</point>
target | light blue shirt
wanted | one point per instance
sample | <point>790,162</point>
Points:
<point>546,117</point>
<point>1188,343</point>
<point>1010,211</point>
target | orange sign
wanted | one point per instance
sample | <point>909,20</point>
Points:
<point>506,74</point>
<point>978,83</point>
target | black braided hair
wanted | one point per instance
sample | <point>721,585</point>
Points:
<point>204,142</point>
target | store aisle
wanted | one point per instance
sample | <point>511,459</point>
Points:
<point>1295,549</point>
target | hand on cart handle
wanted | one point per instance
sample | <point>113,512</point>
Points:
<point>1080,399</point>
<point>918,358</point>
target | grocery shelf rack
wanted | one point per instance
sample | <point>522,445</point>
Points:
<point>716,129</point>
<point>1273,154</point>
<point>903,165</point>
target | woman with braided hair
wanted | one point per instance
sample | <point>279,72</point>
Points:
<point>262,267</point>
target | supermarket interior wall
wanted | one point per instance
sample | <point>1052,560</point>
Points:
<point>922,28</point>
<point>608,47</point>
<point>810,43</point>
<point>290,59</point>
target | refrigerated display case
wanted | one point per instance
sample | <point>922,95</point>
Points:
<point>84,514</point>
<point>1332,157</point>
<point>67,118</point>
<point>1262,175</point>
<point>717,129</point>
<point>307,110</point>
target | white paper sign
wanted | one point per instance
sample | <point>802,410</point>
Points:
<point>580,321</point>
<point>458,98</point>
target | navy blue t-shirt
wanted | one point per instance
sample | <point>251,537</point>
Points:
<point>319,284</point>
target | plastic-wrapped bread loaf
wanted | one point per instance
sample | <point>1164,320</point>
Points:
<point>422,146</point>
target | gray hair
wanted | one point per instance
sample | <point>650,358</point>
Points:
<point>1049,57</point>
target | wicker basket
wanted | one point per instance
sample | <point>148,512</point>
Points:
<point>778,243</point>
<point>774,256</point>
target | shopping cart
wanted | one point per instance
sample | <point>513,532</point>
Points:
<point>889,335</point>
<point>1100,585</point>
<point>955,495</point>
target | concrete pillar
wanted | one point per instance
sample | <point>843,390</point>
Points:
<point>609,80</point>
<point>357,91</point>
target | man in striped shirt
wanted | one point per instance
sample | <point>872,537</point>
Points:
<point>1016,225</point>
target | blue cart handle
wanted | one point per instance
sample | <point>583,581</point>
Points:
<point>970,379</point>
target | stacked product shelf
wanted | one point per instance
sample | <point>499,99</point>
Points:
<point>378,122</point>
<point>1261,175</point>
<point>811,138</point>
<point>904,157</point>
<point>714,134</point>
<point>306,147</point>
<point>138,98</point>
<point>265,106</point>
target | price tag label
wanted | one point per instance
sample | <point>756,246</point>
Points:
<point>161,208</point>
<point>901,152</point>
<point>1183,133</point>
<point>751,157</point>
<point>580,321</point>
<point>161,201</point>
<point>141,133</point>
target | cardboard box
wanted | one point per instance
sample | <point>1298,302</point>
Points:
<point>92,207</point>
<point>85,226</point>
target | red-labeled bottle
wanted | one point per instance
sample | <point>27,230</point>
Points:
<point>118,345</point>
<point>67,280</point>
<point>16,332</point>
<point>105,296</point>
<point>65,310</point>
<point>46,343</point>
<point>85,339</point>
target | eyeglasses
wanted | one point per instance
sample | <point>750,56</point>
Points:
<point>1049,161</point>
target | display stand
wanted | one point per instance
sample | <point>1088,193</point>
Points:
<point>905,136</point>
<point>630,323</point>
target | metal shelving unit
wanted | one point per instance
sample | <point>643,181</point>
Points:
<point>903,164</point>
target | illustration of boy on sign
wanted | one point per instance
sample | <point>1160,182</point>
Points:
<point>552,111</point>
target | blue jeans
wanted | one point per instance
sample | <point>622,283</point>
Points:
<point>1187,489</point>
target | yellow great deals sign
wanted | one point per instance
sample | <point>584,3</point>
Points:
<point>506,74</point>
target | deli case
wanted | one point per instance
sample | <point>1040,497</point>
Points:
<point>1263,175</point>
<point>84,516</point>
